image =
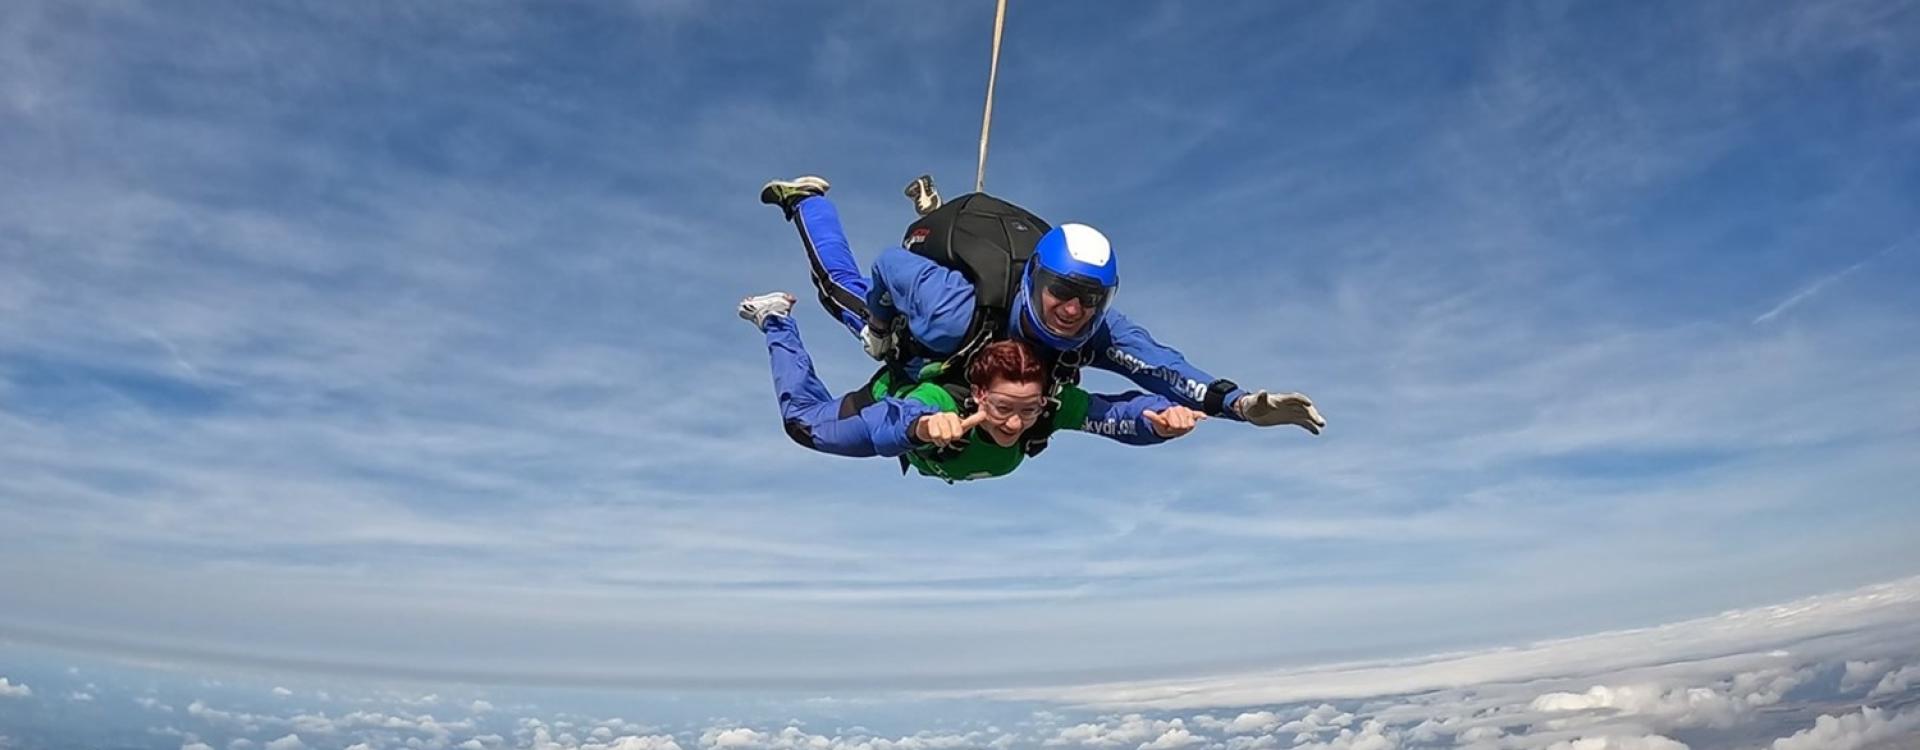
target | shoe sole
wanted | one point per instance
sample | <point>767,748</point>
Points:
<point>925,197</point>
<point>769,192</point>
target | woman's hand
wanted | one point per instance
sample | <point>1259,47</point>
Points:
<point>946,428</point>
<point>1173,421</point>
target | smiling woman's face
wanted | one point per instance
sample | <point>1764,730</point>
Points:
<point>1010,408</point>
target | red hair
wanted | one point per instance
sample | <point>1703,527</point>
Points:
<point>1012,361</point>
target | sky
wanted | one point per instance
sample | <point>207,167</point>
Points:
<point>397,342</point>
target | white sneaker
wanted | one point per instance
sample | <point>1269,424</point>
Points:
<point>758,309</point>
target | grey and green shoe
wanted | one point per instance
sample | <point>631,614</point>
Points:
<point>787,194</point>
<point>925,198</point>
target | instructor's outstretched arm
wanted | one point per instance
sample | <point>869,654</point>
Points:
<point>1132,352</point>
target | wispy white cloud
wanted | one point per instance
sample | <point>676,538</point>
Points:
<point>1820,284</point>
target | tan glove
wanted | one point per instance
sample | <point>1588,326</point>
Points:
<point>1268,409</point>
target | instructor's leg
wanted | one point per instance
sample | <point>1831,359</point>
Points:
<point>836,274</point>
<point>830,260</point>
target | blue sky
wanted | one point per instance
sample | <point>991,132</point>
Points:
<point>365,339</point>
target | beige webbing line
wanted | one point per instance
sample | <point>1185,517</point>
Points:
<point>986,120</point>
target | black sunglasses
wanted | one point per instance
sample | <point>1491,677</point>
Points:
<point>1089,296</point>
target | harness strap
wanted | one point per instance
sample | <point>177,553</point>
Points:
<point>1065,372</point>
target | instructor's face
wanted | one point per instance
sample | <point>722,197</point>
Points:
<point>1065,317</point>
<point>1009,407</point>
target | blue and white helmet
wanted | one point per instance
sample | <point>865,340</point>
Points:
<point>1073,261</point>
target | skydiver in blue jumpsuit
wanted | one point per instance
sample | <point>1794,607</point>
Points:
<point>1063,306</point>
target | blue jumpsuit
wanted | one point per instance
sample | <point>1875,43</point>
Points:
<point>938,304</point>
<point>819,420</point>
